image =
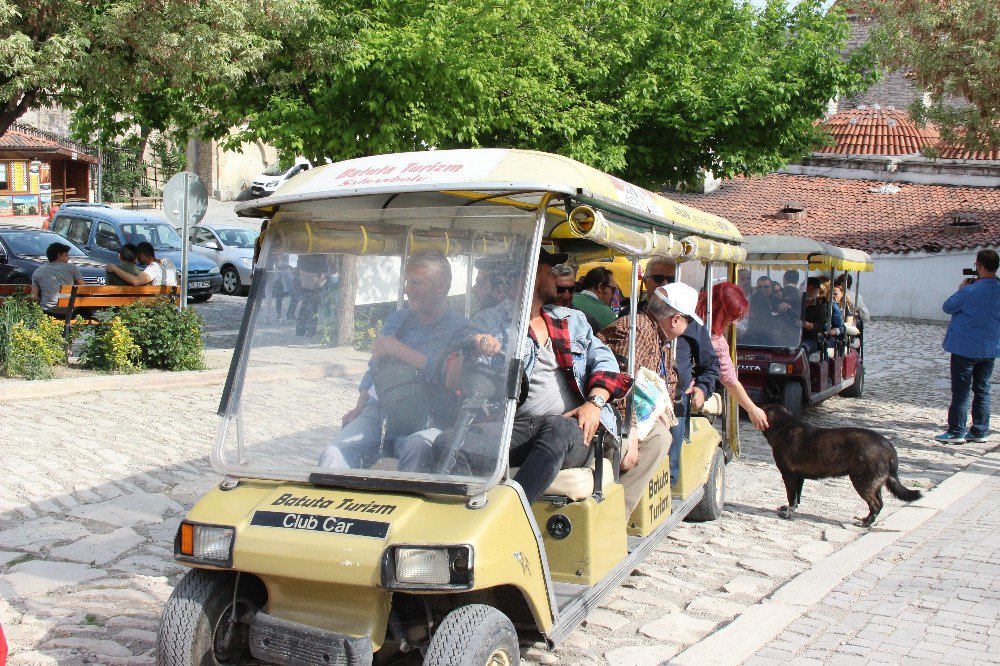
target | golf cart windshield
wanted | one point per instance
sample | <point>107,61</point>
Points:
<point>378,342</point>
<point>775,316</point>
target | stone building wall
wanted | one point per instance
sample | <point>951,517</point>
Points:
<point>894,89</point>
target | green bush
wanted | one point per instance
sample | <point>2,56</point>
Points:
<point>31,342</point>
<point>150,333</point>
<point>110,347</point>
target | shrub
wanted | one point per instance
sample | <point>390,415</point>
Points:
<point>31,342</point>
<point>111,347</point>
<point>167,339</point>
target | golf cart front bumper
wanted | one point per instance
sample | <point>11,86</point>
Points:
<point>277,641</point>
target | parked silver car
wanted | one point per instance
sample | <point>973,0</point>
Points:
<point>231,248</point>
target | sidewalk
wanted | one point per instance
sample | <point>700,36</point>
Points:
<point>922,587</point>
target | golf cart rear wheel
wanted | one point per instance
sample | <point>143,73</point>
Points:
<point>474,635</point>
<point>791,398</point>
<point>857,389</point>
<point>710,506</point>
<point>195,629</point>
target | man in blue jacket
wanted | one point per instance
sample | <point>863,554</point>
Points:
<point>973,340</point>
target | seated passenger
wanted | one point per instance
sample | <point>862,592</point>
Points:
<point>815,320</point>
<point>761,322</point>
<point>569,377</point>
<point>597,291</point>
<point>416,337</point>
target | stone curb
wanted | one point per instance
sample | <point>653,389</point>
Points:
<point>759,624</point>
<point>54,388</point>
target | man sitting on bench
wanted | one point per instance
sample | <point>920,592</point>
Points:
<point>158,272</point>
<point>49,278</point>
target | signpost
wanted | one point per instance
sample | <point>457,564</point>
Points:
<point>185,201</point>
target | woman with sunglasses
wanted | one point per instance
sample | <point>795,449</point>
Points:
<point>597,290</point>
<point>729,305</point>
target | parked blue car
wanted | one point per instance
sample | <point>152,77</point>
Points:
<point>100,231</point>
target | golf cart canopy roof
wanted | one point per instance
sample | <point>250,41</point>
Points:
<point>777,249</point>
<point>521,178</point>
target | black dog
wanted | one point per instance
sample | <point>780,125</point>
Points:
<point>804,452</point>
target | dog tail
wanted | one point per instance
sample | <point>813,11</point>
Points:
<point>901,491</point>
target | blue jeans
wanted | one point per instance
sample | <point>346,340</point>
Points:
<point>970,374</point>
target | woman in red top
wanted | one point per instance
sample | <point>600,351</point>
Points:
<point>730,305</point>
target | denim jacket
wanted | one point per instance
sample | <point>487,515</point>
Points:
<point>974,330</point>
<point>591,362</point>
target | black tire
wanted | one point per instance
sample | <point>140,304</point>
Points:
<point>17,278</point>
<point>857,389</point>
<point>231,284</point>
<point>192,624</point>
<point>791,398</point>
<point>201,298</point>
<point>710,506</point>
<point>474,635</point>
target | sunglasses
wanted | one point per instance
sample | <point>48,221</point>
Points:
<point>660,279</point>
<point>563,290</point>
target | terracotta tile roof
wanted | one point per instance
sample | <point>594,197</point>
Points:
<point>23,142</point>
<point>956,153</point>
<point>871,131</point>
<point>869,215</point>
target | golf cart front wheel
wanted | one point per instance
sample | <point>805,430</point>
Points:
<point>791,398</point>
<point>711,504</point>
<point>474,635</point>
<point>196,627</point>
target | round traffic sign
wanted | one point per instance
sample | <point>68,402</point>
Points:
<point>180,186</point>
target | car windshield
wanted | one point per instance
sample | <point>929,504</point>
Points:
<point>775,317</point>
<point>359,357</point>
<point>277,168</point>
<point>160,234</point>
<point>34,243</point>
<point>241,238</point>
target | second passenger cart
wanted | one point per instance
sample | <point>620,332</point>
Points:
<point>304,557</point>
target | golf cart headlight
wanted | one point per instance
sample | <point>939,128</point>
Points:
<point>247,261</point>
<point>777,369</point>
<point>272,183</point>
<point>214,270</point>
<point>439,567</point>
<point>422,565</point>
<point>205,543</point>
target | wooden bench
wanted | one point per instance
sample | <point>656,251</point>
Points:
<point>146,202</point>
<point>8,290</point>
<point>74,297</point>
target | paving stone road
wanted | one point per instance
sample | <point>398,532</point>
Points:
<point>96,483</point>
<point>931,597</point>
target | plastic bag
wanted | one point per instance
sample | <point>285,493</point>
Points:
<point>651,401</point>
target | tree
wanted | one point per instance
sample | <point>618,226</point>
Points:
<point>655,90</point>
<point>131,63</point>
<point>952,48</point>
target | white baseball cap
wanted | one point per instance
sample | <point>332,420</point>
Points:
<point>680,297</point>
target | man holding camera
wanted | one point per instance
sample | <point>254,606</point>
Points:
<point>973,340</point>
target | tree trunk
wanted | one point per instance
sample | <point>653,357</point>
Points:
<point>348,295</point>
<point>140,164</point>
<point>12,110</point>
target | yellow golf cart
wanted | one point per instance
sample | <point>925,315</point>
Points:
<point>295,560</point>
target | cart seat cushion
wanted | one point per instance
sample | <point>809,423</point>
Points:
<point>850,329</point>
<point>576,483</point>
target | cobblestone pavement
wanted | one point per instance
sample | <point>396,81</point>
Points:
<point>931,597</point>
<point>96,483</point>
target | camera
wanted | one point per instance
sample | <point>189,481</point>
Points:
<point>970,271</point>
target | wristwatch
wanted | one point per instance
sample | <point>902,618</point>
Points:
<point>597,400</point>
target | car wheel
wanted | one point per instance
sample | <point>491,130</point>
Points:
<point>195,628</point>
<point>857,389</point>
<point>710,506</point>
<point>231,284</point>
<point>17,278</point>
<point>791,398</point>
<point>201,298</point>
<point>474,635</point>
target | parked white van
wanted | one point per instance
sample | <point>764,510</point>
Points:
<point>275,175</point>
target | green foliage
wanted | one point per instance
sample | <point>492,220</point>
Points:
<point>123,63</point>
<point>150,333</point>
<point>952,49</point>
<point>365,331</point>
<point>31,342</point>
<point>111,347</point>
<point>654,90</point>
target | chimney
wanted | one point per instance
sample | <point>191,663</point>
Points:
<point>792,210</point>
<point>963,223</point>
